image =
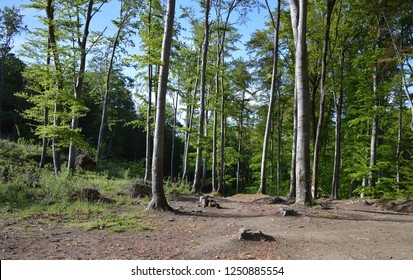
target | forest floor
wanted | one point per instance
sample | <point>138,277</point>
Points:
<point>351,229</point>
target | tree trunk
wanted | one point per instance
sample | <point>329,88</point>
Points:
<point>158,200</point>
<point>399,140</point>
<point>149,108</point>
<point>299,20</point>
<point>198,164</point>
<point>108,73</point>
<point>56,106</point>
<point>374,132</point>
<point>221,185</point>
<point>292,192</point>
<point>338,101</point>
<point>268,126</point>
<point>45,114</point>
<point>190,118</point>
<point>79,81</point>
<point>241,120</point>
<point>214,152</point>
<point>317,141</point>
<point>173,137</point>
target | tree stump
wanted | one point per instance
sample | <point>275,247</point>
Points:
<point>288,212</point>
<point>250,235</point>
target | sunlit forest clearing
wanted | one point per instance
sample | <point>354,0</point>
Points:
<point>166,102</point>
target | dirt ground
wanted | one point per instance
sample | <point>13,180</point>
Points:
<point>341,230</point>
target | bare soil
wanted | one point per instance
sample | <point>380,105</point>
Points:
<point>356,229</point>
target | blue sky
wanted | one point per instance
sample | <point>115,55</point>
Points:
<point>110,12</point>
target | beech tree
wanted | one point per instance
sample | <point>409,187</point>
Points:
<point>298,10</point>
<point>268,126</point>
<point>158,200</point>
<point>196,187</point>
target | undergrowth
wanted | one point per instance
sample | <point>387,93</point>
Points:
<point>29,192</point>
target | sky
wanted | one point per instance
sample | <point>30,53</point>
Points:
<point>111,10</point>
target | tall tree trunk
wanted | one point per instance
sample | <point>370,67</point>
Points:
<point>158,200</point>
<point>44,138</point>
<point>56,106</point>
<point>45,114</point>
<point>279,150</point>
<point>268,126</point>
<point>173,136</point>
<point>149,108</point>
<point>292,192</point>
<point>374,132</point>
<point>214,151</point>
<point>338,101</point>
<point>399,140</point>
<point>240,127</point>
<point>196,187</point>
<point>221,185</point>
<point>299,23</point>
<point>190,118</point>
<point>317,141</point>
<point>78,87</point>
<point>107,84</point>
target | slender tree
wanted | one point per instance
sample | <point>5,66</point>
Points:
<point>299,23</point>
<point>196,187</point>
<point>158,200</point>
<point>324,62</point>
<point>276,26</point>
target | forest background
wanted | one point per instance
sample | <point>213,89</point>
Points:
<point>74,84</point>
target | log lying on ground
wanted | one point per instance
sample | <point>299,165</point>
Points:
<point>250,235</point>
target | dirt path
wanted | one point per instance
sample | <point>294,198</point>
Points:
<point>334,230</point>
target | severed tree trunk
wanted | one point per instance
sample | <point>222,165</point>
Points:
<point>317,141</point>
<point>158,201</point>
<point>299,23</point>
<point>196,187</point>
<point>268,126</point>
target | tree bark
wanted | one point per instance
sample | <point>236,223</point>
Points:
<point>173,136</point>
<point>292,192</point>
<point>317,141</point>
<point>196,187</point>
<point>299,23</point>
<point>241,120</point>
<point>107,84</point>
<point>190,119</point>
<point>374,132</point>
<point>158,201</point>
<point>78,87</point>
<point>338,101</point>
<point>56,106</point>
<point>268,126</point>
<point>149,108</point>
